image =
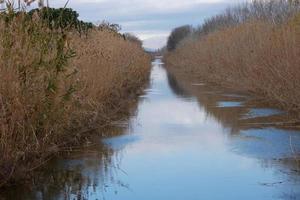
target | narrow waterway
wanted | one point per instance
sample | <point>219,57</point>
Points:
<point>183,146</point>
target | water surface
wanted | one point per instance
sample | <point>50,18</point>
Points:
<point>183,144</point>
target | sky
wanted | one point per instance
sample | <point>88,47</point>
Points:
<point>150,20</point>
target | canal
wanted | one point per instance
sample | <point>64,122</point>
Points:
<point>185,141</point>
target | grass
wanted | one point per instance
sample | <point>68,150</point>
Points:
<point>256,56</point>
<point>56,86</point>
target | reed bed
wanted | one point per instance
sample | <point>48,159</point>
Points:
<point>58,86</point>
<point>255,55</point>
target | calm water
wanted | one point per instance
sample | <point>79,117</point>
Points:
<point>186,141</point>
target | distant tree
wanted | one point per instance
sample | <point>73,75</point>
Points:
<point>177,35</point>
<point>132,38</point>
<point>61,18</point>
<point>104,25</point>
<point>272,11</point>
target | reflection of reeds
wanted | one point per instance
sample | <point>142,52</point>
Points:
<point>255,56</point>
<point>56,86</point>
<point>231,118</point>
<point>208,97</point>
<point>295,154</point>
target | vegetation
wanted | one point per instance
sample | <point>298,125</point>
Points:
<point>57,86</point>
<point>133,38</point>
<point>177,35</point>
<point>253,47</point>
<point>63,18</point>
<point>274,12</point>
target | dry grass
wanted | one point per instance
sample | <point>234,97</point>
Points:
<point>49,98</point>
<point>255,56</point>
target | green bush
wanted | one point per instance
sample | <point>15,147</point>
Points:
<point>61,18</point>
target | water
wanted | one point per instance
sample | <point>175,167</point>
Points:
<point>185,141</point>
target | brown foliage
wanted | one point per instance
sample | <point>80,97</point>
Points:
<point>49,98</point>
<point>256,56</point>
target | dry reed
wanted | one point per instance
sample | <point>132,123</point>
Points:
<point>255,56</point>
<point>55,87</point>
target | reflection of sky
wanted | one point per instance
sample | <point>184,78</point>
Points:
<point>262,112</point>
<point>151,20</point>
<point>174,150</point>
<point>275,143</point>
<point>177,152</point>
<point>227,104</point>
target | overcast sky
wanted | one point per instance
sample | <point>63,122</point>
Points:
<point>150,20</point>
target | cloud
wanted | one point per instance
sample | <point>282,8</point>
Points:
<point>148,19</point>
<point>155,42</point>
<point>139,6</point>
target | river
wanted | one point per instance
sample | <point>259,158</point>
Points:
<point>181,145</point>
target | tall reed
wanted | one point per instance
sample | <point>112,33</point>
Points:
<point>256,56</point>
<point>56,86</point>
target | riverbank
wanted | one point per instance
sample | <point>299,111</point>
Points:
<point>59,85</point>
<point>181,129</point>
<point>251,49</point>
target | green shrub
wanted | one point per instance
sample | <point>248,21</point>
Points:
<point>61,18</point>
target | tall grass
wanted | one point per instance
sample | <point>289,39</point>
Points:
<point>272,11</point>
<point>254,55</point>
<point>56,86</point>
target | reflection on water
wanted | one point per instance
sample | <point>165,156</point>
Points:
<point>231,104</point>
<point>262,112</point>
<point>187,140</point>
